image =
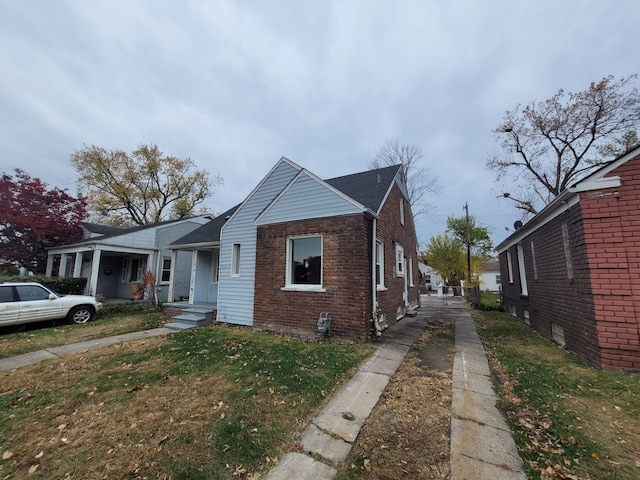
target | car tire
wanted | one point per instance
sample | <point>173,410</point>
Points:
<point>80,314</point>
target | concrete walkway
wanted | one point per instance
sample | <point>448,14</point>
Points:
<point>54,352</point>
<point>481,443</point>
<point>482,446</point>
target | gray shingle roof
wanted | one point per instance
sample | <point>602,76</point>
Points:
<point>368,188</point>
<point>207,233</point>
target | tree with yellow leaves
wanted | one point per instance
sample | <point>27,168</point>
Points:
<point>140,188</point>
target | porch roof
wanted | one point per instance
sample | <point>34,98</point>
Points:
<point>206,235</point>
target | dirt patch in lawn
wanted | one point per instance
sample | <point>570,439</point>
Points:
<point>408,433</point>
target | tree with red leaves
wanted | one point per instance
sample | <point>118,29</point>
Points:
<point>34,218</point>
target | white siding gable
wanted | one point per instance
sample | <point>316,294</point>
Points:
<point>236,292</point>
<point>308,197</point>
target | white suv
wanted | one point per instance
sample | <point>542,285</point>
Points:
<point>32,302</point>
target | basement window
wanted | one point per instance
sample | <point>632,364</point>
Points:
<point>557,333</point>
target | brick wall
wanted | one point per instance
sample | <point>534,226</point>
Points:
<point>599,308</point>
<point>391,231</point>
<point>346,274</point>
<point>612,232</point>
<point>553,297</point>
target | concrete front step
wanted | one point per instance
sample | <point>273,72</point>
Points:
<point>191,317</point>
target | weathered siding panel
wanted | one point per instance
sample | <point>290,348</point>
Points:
<point>307,198</point>
<point>236,293</point>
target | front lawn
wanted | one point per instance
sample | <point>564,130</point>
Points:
<point>208,403</point>
<point>29,338</point>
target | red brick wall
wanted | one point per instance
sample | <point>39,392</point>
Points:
<point>599,309</point>
<point>347,269</point>
<point>346,274</point>
<point>612,231</point>
<point>391,231</point>
<point>553,297</point>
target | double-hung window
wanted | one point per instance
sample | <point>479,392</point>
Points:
<point>235,260</point>
<point>165,275</point>
<point>399,261</point>
<point>304,263</point>
<point>380,265</point>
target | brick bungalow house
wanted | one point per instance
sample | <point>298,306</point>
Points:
<point>572,272</point>
<point>298,247</point>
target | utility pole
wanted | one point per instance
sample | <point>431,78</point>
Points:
<point>466,208</point>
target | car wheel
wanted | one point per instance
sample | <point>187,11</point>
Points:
<point>81,314</point>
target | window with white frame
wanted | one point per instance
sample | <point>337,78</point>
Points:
<point>304,262</point>
<point>235,260</point>
<point>510,266</point>
<point>402,211</point>
<point>410,268</point>
<point>399,261</point>
<point>132,270</point>
<point>380,264</point>
<point>215,263</point>
<point>521,270</point>
<point>165,274</point>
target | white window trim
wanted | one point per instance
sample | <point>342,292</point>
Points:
<point>235,259</point>
<point>380,261</point>
<point>162,270</point>
<point>401,211</point>
<point>399,261</point>
<point>126,270</point>
<point>296,287</point>
<point>524,290</point>
<point>510,266</point>
<point>215,266</point>
<point>410,269</point>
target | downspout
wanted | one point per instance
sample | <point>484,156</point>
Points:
<point>374,293</point>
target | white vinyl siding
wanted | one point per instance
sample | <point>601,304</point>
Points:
<point>307,197</point>
<point>236,293</point>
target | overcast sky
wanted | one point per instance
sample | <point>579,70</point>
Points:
<point>235,85</point>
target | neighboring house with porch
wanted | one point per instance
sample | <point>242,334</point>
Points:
<point>572,272</point>
<point>113,259</point>
<point>299,248</point>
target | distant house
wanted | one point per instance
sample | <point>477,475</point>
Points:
<point>572,272</point>
<point>490,279</point>
<point>299,248</point>
<point>113,259</point>
<point>430,280</point>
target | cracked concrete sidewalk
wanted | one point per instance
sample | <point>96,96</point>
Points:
<point>481,443</point>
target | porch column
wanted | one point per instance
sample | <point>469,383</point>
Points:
<point>77,266</point>
<point>172,276</point>
<point>63,265</point>
<point>95,271</point>
<point>49,270</point>
<point>192,282</point>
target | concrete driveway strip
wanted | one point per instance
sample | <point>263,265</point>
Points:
<point>482,446</point>
<point>54,352</point>
<point>331,435</point>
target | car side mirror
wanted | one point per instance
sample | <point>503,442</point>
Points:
<point>52,296</point>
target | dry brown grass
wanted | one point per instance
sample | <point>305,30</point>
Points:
<point>408,433</point>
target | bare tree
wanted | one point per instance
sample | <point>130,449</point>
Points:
<point>419,182</point>
<point>546,146</point>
